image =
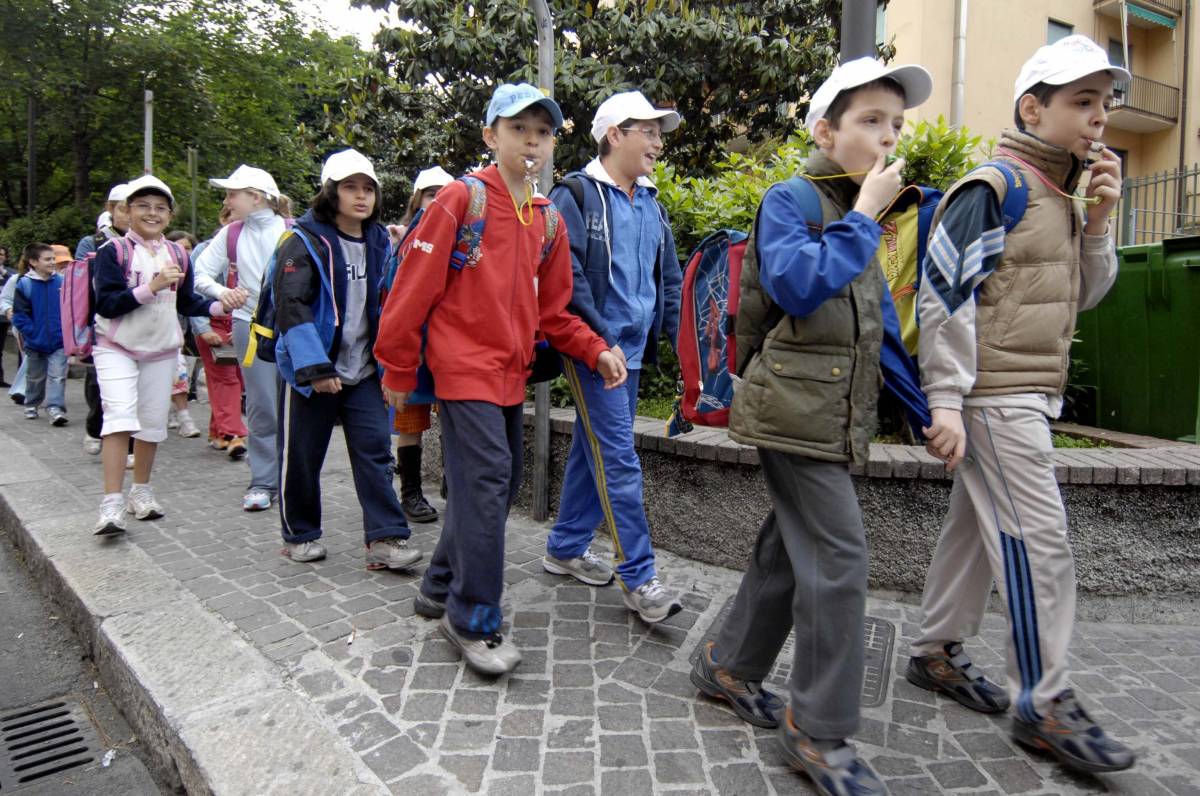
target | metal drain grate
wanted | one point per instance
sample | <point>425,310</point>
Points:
<point>41,740</point>
<point>879,634</point>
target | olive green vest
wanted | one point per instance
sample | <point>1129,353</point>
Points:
<point>810,385</point>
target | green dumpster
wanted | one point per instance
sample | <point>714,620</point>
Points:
<point>1138,366</point>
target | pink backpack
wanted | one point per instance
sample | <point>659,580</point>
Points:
<point>77,297</point>
<point>231,242</point>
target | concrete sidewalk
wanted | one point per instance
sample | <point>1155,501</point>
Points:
<point>247,673</point>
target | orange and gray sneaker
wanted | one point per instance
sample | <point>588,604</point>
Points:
<point>1068,732</point>
<point>833,766</point>
<point>953,674</point>
<point>749,700</point>
<point>236,447</point>
<point>217,442</point>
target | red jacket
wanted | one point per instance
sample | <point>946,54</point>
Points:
<point>482,319</point>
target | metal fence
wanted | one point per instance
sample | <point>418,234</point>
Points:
<point>1147,96</point>
<point>1157,206</point>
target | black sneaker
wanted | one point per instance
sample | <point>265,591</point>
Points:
<point>428,607</point>
<point>954,675</point>
<point>833,766</point>
<point>1068,733</point>
<point>750,701</point>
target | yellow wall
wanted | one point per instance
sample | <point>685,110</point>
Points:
<point>1002,34</point>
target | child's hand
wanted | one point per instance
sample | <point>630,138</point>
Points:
<point>879,187</point>
<point>330,384</point>
<point>212,338</point>
<point>395,232</point>
<point>168,276</point>
<point>620,354</point>
<point>612,368</point>
<point>947,439</point>
<point>1106,184</point>
<point>395,399</point>
<point>234,298</point>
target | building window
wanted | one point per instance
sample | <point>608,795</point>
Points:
<point>880,23</point>
<point>1056,30</point>
<point>1116,53</point>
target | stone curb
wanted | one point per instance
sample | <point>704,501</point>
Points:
<point>1166,466</point>
<point>217,716</point>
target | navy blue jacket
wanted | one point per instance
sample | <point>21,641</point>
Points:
<point>310,299</point>
<point>591,261</point>
<point>36,313</point>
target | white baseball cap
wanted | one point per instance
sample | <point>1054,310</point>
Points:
<point>915,81</point>
<point>118,192</point>
<point>433,177</point>
<point>148,183</point>
<point>1065,61</point>
<point>244,177</point>
<point>104,220</point>
<point>630,105</point>
<point>341,165</point>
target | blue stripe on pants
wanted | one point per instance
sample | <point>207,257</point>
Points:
<point>602,482</point>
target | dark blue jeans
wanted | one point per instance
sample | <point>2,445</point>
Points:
<point>305,427</point>
<point>482,459</point>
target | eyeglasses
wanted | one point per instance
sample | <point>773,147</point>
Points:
<point>651,134</point>
<point>145,207</point>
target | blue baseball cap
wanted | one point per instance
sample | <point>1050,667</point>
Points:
<point>510,99</point>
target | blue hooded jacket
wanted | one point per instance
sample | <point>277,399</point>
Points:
<point>591,263</point>
<point>36,313</point>
<point>308,282</point>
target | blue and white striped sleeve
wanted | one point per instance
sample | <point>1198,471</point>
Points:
<point>963,251</point>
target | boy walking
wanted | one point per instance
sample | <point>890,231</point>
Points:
<point>483,292</point>
<point>810,324</point>
<point>997,315</point>
<point>36,316</point>
<point>626,288</point>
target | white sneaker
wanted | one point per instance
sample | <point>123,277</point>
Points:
<point>112,518</point>
<point>392,553</point>
<point>493,656</point>
<point>588,568</point>
<point>91,445</point>
<point>652,602</point>
<point>304,551</point>
<point>142,504</point>
<point>172,418</point>
<point>187,426</point>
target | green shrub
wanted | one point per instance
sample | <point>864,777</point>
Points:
<point>65,225</point>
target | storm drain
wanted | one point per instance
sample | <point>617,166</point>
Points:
<point>879,635</point>
<point>42,740</point>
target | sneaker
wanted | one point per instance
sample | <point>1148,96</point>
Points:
<point>492,656</point>
<point>129,461</point>
<point>392,553</point>
<point>187,426</point>
<point>236,447</point>
<point>218,443</point>
<point>31,413</point>
<point>588,568</point>
<point>91,445</point>
<point>428,607</point>
<point>17,398</point>
<point>172,418</point>
<point>833,766</point>
<point>750,701</point>
<point>142,504</point>
<point>954,675</point>
<point>57,416</point>
<point>256,500</point>
<point>651,602</point>
<point>1068,733</point>
<point>303,552</point>
<point>112,516</point>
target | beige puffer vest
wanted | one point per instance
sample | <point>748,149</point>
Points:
<point>1025,310</point>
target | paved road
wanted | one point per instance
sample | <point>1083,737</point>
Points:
<point>601,703</point>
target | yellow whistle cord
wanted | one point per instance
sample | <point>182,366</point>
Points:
<point>527,203</point>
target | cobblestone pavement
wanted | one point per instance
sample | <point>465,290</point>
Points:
<point>601,702</point>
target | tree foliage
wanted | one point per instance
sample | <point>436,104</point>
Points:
<point>730,68</point>
<point>233,78</point>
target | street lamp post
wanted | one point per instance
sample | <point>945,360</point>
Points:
<point>541,392</point>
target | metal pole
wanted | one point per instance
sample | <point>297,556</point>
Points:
<point>31,160</point>
<point>958,85</point>
<point>858,28</point>
<point>541,392</point>
<point>148,152</point>
<point>192,156</point>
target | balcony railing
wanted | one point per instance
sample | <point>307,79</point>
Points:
<point>1147,96</point>
<point>1166,6</point>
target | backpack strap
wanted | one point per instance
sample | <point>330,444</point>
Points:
<point>804,193</point>
<point>176,252</point>
<point>231,242</point>
<point>574,184</point>
<point>467,251</point>
<point>1016,193</point>
<point>551,218</point>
